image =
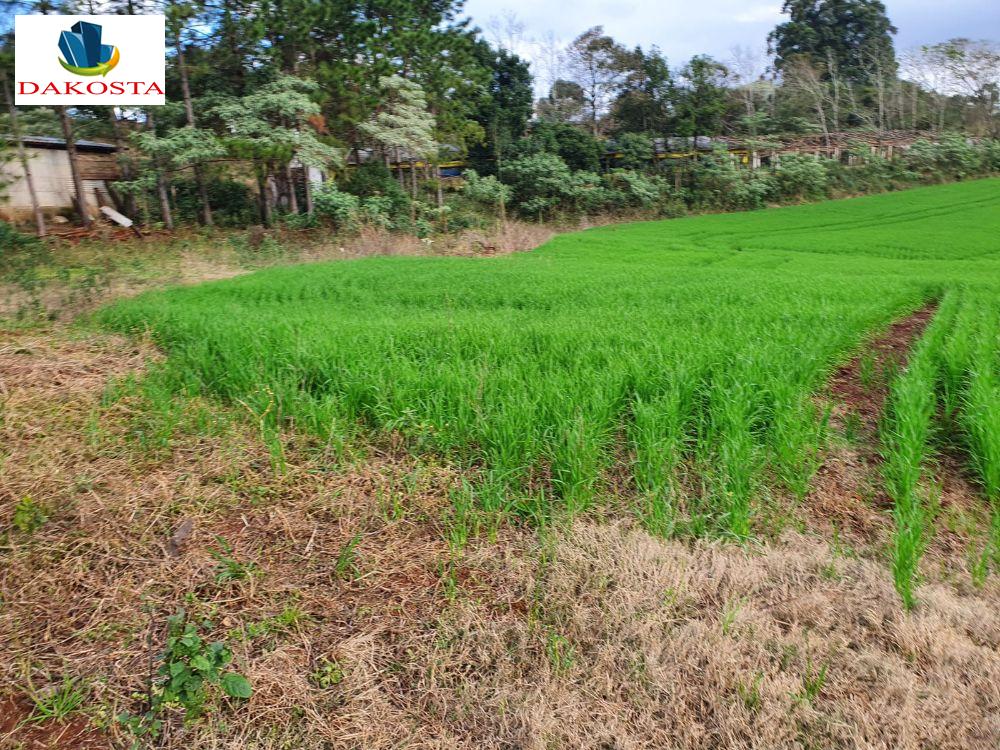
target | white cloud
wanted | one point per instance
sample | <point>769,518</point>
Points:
<point>682,28</point>
<point>770,13</point>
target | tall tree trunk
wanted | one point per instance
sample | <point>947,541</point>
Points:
<point>124,161</point>
<point>23,158</point>
<point>199,176</point>
<point>293,199</point>
<point>74,166</point>
<point>262,205</point>
<point>309,190</point>
<point>835,80</point>
<point>161,183</point>
<point>497,150</point>
<point>270,191</point>
<point>440,198</point>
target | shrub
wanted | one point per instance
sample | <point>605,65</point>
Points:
<point>636,151</point>
<point>589,194</point>
<point>719,183</point>
<point>377,211</point>
<point>640,191</point>
<point>801,177</point>
<point>373,180</point>
<point>233,204</point>
<point>339,208</point>
<point>299,221</point>
<point>11,240</point>
<point>953,157</point>
<point>872,173</point>
<point>577,148</point>
<point>540,185</point>
<point>488,191</point>
<point>991,155</point>
<point>21,258</point>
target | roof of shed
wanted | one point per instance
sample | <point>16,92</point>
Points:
<point>45,141</point>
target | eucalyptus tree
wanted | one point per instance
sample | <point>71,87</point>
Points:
<point>702,97</point>
<point>648,93</point>
<point>599,65</point>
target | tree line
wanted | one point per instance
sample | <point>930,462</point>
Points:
<point>266,95</point>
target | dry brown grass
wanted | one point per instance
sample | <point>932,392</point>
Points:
<point>593,635</point>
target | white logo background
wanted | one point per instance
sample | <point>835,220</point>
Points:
<point>139,39</point>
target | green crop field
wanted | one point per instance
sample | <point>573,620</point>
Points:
<point>683,356</point>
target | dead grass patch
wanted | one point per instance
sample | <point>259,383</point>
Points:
<point>79,276</point>
<point>359,627</point>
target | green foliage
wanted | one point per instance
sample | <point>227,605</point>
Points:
<point>560,652</point>
<point>345,567</point>
<point>29,516</point>
<point>373,180</point>
<point>953,157</point>
<point>503,113</point>
<point>540,184</point>
<point>327,674</point>
<point>486,191</point>
<point>181,147</point>
<point>190,667</point>
<point>813,681</point>
<point>636,151</point>
<point>702,98</point>
<point>906,447</point>
<point>341,209</point>
<point>578,149</point>
<point>229,568</point>
<point>873,174</point>
<point>11,241</point>
<point>21,258</point>
<point>717,182</point>
<point>189,664</point>
<point>647,98</point>
<point>232,202</point>
<point>969,362</point>
<point>403,121</point>
<point>801,177</point>
<point>58,703</point>
<point>272,122</point>
<point>699,341</point>
<point>844,35</point>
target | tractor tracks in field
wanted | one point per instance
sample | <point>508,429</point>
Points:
<point>847,490</point>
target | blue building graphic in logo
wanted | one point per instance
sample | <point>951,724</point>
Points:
<point>83,52</point>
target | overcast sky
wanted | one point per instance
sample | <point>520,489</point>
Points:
<point>682,28</point>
